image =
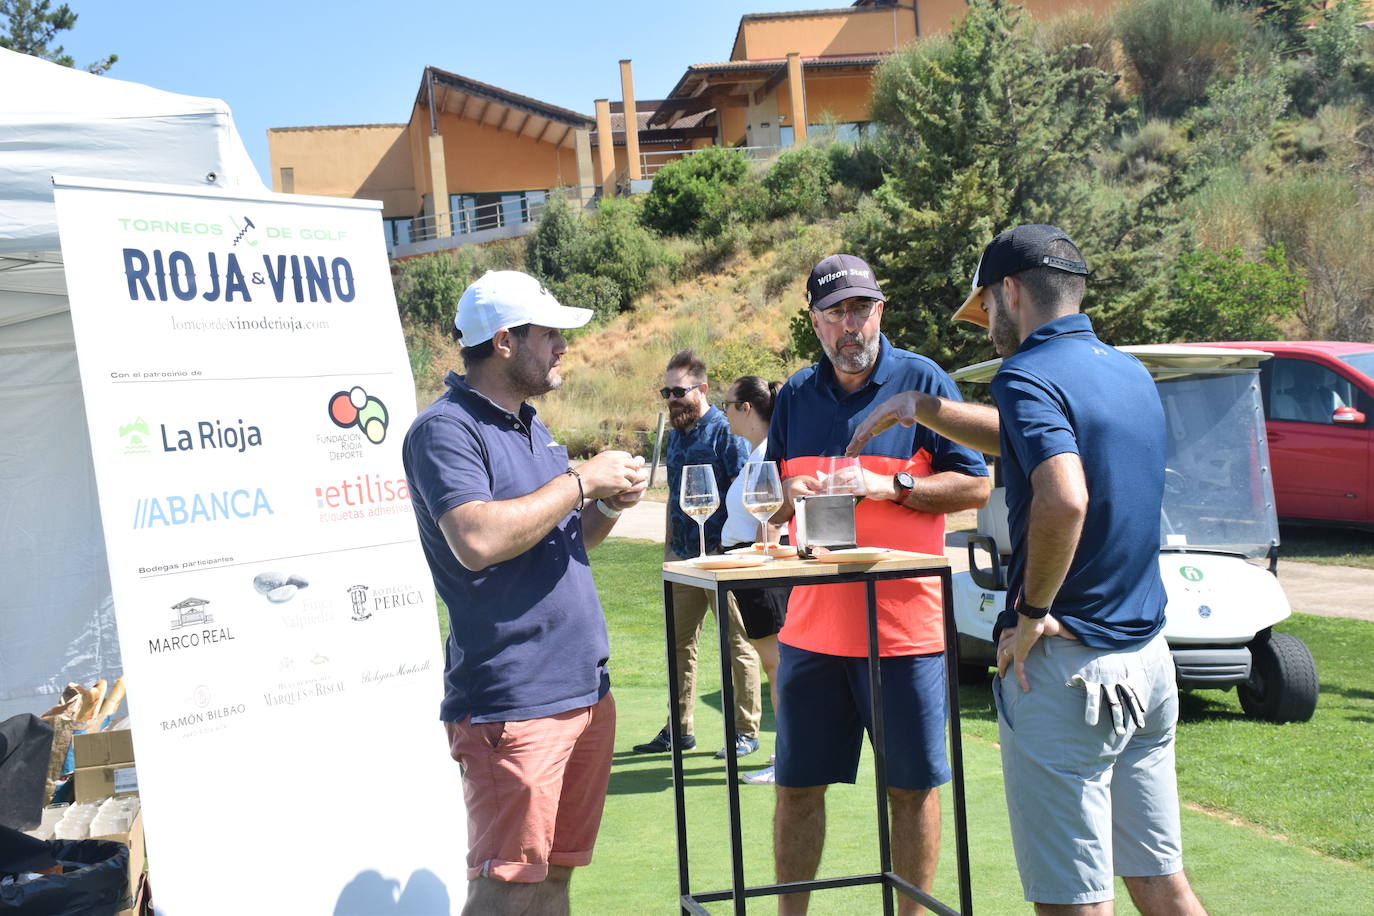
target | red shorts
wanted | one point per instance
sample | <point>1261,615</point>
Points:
<point>535,789</point>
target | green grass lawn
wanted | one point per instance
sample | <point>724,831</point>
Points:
<point>1277,819</point>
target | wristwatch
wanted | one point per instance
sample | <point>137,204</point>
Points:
<point>903,483</point>
<point>1030,610</point>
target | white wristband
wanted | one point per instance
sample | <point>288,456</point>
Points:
<point>607,510</point>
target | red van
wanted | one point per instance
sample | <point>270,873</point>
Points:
<point>1319,414</point>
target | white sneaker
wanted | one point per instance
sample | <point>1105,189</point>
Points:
<point>763,777</point>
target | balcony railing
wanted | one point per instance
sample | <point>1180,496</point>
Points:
<point>653,160</point>
<point>477,224</point>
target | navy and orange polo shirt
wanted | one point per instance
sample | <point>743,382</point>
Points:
<point>814,418</point>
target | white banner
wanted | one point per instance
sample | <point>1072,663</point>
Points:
<point>247,389</point>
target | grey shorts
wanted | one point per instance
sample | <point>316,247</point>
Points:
<point>1087,803</point>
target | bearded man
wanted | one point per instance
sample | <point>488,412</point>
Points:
<point>911,480</point>
<point>701,435</point>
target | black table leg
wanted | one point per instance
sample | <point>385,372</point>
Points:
<point>956,746</point>
<point>675,733</point>
<point>875,697</point>
<point>727,708</point>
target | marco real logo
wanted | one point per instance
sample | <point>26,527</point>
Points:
<point>176,510</point>
<point>192,628</point>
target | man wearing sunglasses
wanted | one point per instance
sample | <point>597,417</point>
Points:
<point>911,480</point>
<point>701,435</point>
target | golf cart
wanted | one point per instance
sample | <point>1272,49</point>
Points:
<point>1216,527</point>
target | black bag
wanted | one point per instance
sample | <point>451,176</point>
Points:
<point>25,746</point>
<point>96,882</point>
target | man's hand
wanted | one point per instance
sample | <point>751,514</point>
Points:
<point>632,494</point>
<point>900,408</point>
<point>610,473</point>
<point>1016,642</point>
<point>801,485</point>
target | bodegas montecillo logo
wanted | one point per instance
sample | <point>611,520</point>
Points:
<point>175,510</point>
<point>192,628</point>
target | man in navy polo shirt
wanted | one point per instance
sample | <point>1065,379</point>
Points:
<point>1087,729</point>
<point>912,477</point>
<point>505,524</point>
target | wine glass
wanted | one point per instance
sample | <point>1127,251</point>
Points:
<point>699,497</point>
<point>844,476</point>
<point>762,493</point>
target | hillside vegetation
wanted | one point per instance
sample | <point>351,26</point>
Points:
<point>1214,161</point>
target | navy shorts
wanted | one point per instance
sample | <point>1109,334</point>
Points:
<point>825,709</point>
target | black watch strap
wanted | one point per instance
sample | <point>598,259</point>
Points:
<point>1030,610</point>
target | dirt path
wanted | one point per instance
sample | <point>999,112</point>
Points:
<point>1312,588</point>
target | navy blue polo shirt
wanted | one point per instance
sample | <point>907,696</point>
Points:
<point>1066,392</point>
<point>709,441</point>
<point>527,636</point>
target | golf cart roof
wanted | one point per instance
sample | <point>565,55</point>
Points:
<point>1160,359</point>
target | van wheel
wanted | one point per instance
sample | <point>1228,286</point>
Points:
<point>1283,680</point>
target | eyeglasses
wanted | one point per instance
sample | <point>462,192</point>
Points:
<point>738,405</point>
<point>678,392</point>
<point>861,310</point>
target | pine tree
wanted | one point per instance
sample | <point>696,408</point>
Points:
<point>31,27</point>
<point>982,131</point>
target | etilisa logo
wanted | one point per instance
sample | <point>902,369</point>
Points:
<point>174,511</point>
<point>357,594</point>
<point>135,437</point>
<point>362,496</point>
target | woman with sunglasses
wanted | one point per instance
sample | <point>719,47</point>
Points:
<point>748,406</point>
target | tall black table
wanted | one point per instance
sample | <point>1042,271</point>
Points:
<point>893,565</point>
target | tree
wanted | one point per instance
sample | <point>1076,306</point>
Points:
<point>551,251</point>
<point>1220,295</point>
<point>686,189</point>
<point>33,25</point>
<point>984,130</point>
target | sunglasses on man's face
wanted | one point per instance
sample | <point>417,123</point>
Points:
<point>678,391</point>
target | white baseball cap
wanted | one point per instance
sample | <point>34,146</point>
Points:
<point>507,299</point>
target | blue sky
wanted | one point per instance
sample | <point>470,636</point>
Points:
<point>284,63</point>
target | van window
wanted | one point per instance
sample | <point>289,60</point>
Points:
<point>1304,392</point>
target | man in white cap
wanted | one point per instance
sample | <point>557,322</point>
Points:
<point>506,523</point>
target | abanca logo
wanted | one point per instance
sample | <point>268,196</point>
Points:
<point>198,508</point>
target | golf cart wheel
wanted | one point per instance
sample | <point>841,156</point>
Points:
<point>972,673</point>
<point>1283,680</point>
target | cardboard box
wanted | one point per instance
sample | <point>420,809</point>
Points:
<point>137,857</point>
<point>99,749</point>
<point>95,783</point>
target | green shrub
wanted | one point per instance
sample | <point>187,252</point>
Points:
<point>856,165</point>
<point>740,356</point>
<point>600,294</point>
<point>551,250</point>
<point>619,247</point>
<point>798,183</point>
<point>428,287</point>
<point>685,189</point>
<point>1178,47</point>
<point>1221,295</point>
<point>737,205</point>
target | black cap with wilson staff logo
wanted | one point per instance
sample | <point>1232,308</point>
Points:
<point>1010,253</point>
<point>840,277</point>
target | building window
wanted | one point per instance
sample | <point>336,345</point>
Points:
<point>475,212</point>
<point>288,181</point>
<point>397,232</point>
<point>787,136</point>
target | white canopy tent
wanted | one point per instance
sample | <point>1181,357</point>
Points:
<point>56,615</point>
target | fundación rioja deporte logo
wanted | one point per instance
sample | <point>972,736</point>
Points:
<point>356,408</point>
